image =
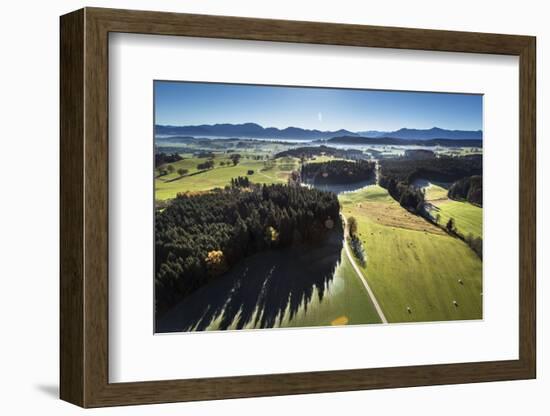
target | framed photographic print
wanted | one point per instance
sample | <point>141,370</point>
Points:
<point>257,207</point>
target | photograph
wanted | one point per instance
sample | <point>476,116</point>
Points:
<point>298,206</point>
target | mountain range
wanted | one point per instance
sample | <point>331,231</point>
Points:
<point>424,134</point>
<point>253,130</point>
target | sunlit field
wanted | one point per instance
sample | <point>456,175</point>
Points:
<point>414,264</point>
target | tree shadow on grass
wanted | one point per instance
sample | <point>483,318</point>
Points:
<point>260,291</point>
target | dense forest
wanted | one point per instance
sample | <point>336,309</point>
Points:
<point>398,175</point>
<point>468,189</point>
<point>309,152</point>
<point>199,237</point>
<point>443,168</point>
<point>418,154</point>
<point>338,172</point>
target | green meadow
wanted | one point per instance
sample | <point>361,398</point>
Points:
<point>168,186</point>
<point>412,263</point>
<point>468,217</point>
<point>345,303</point>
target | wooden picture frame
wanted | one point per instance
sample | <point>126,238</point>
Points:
<point>84,207</point>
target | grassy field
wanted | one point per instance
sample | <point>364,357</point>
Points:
<point>169,186</point>
<point>346,302</point>
<point>468,217</point>
<point>412,263</point>
<point>435,192</point>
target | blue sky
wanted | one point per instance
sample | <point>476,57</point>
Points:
<point>187,103</point>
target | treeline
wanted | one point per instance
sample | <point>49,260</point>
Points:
<point>338,172</point>
<point>408,196</point>
<point>468,189</point>
<point>162,158</point>
<point>199,237</point>
<point>309,152</point>
<point>475,243</point>
<point>398,175</point>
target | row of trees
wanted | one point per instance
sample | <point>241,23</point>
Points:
<point>165,170</point>
<point>207,164</point>
<point>475,243</point>
<point>355,242</point>
<point>338,172</point>
<point>199,237</point>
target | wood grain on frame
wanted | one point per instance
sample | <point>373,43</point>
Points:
<point>84,207</point>
<point>71,212</point>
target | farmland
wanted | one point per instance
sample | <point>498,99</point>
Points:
<point>417,271</point>
<point>412,263</point>
<point>167,187</point>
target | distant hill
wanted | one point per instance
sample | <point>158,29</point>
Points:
<point>424,134</point>
<point>356,140</point>
<point>253,130</point>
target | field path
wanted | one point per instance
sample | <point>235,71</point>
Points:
<point>360,275</point>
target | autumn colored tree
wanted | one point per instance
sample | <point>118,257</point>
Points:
<point>272,235</point>
<point>215,263</point>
